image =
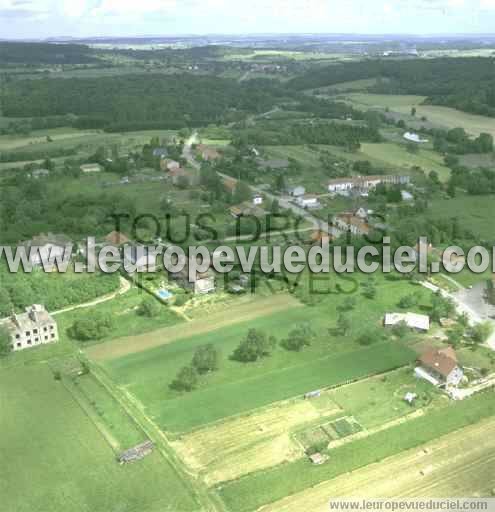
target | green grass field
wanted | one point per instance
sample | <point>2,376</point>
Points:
<point>398,156</point>
<point>330,360</point>
<point>442,116</point>
<point>253,491</point>
<point>55,459</point>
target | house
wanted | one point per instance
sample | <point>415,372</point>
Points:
<point>30,329</point>
<point>207,153</point>
<point>230,184</point>
<point>406,196</point>
<point>168,165</point>
<point>308,201</point>
<point>40,173</point>
<point>160,152</point>
<point>410,398</point>
<point>45,248</point>
<point>257,199</point>
<point>181,175</point>
<point>273,163</point>
<point>414,137</point>
<point>116,238</point>
<point>91,168</point>
<point>440,367</point>
<point>320,237</point>
<point>246,209</point>
<point>318,458</point>
<point>352,223</point>
<point>140,257</point>
<point>201,284</point>
<point>364,184</point>
<point>412,320</point>
<point>297,191</point>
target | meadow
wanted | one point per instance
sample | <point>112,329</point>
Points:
<point>442,116</point>
<point>397,156</point>
<point>330,360</point>
<point>57,457</point>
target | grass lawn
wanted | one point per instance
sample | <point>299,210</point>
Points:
<point>381,399</point>
<point>58,460</point>
<point>253,491</point>
<point>331,359</point>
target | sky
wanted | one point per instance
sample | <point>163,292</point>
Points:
<point>21,19</point>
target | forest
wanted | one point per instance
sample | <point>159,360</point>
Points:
<point>45,53</point>
<point>467,84</point>
<point>138,101</point>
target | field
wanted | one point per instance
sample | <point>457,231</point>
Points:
<point>442,116</point>
<point>477,212</point>
<point>444,475</point>
<point>330,360</point>
<point>126,320</point>
<point>397,156</point>
<point>255,441</point>
<point>269,486</point>
<point>139,343</point>
<point>58,458</point>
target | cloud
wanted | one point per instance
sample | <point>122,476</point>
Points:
<point>22,9</point>
<point>133,7</point>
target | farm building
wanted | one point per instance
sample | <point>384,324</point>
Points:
<point>91,168</point>
<point>297,191</point>
<point>30,329</point>
<point>246,209</point>
<point>364,184</point>
<point>440,367</point>
<point>273,163</point>
<point>308,201</point>
<point>40,173</point>
<point>180,175</point>
<point>414,137</point>
<point>412,320</point>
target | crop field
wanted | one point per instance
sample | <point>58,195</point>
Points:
<point>443,116</point>
<point>398,156</point>
<point>466,473</point>
<point>258,440</point>
<point>270,486</point>
<point>57,458</point>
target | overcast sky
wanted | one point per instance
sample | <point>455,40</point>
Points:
<point>48,18</point>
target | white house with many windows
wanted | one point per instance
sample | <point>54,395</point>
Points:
<point>30,329</point>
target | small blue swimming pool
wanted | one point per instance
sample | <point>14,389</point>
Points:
<point>164,294</point>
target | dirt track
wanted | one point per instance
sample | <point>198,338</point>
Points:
<point>459,464</point>
<point>236,314</point>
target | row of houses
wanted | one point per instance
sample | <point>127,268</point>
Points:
<point>364,184</point>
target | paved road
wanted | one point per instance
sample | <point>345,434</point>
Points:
<point>465,307</point>
<point>286,203</point>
